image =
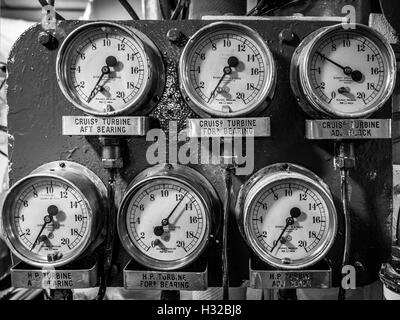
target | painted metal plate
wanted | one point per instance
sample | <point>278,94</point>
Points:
<point>142,279</point>
<point>349,129</point>
<point>234,127</point>
<point>110,126</point>
<point>23,277</point>
<point>291,279</point>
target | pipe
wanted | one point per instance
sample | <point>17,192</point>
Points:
<point>225,261</point>
<point>108,251</point>
<point>345,162</point>
<point>129,9</point>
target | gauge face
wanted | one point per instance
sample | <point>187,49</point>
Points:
<point>104,69</point>
<point>50,220</point>
<point>348,73</point>
<point>227,70</point>
<point>167,222</point>
<point>287,216</point>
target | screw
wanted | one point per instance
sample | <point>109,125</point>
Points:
<point>359,266</point>
<point>174,35</point>
<point>286,35</point>
<point>62,165</point>
<point>44,38</point>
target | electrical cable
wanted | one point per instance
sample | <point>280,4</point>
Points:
<point>277,6</point>
<point>260,5</point>
<point>225,262</point>
<point>344,176</point>
<point>345,152</point>
<point>263,7</point>
<point>165,8</point>
<point>2,84</point>
<point>108,251</point>
<point>129,9</point>
<point>185,10</point>
<point>177,10</point>
<point>44,3</point>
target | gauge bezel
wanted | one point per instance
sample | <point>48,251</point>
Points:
<point>191,97</point>
<point>197,184</point>
<point>284,173</point>
<point>154,84</point>
<point>303,89</point>
<point>89,187</point>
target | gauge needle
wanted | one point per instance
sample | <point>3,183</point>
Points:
<point>52,211</point>
<point>47,220</point>
<point>355,74</point>
<point>178,216</point>
<point>105,70</point>
<point>294,213</point>
<point>165,221</point>
<point>111,61</point>
<point>233,62</point>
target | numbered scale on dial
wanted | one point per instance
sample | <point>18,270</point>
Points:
<point>167,217</point>
<point>287,216</point>
<point>54,215</point>
<point>343,73</point>
<point>227,70</point>
<point>106,69</point>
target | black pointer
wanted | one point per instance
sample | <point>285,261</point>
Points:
<point>227,70</point>
<point>111,61</point>
<point>105,70</point>
<point>47,220</point>
<point>233,62</point>
<point>52,211</point>
<point>294,213</point>
<point>165,221</point>
<point>355,74</point>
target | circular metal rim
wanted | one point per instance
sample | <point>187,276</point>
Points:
<point>184,82</point>
<point>263,184</point>
<point>62,74</point>
<point>11,238</point>
<point>313,99</point>
<point>138,255</point>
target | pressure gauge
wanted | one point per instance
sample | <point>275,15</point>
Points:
<point>287,216</point>
<point>343,73</point>
<point>106,69</point>
<point>167,217</point>
<point>227,70</point>
<point>55,214</point>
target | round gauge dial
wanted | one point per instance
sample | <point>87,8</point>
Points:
<point>48,220</point>
<point>227,70</point>
<point>41,220</point>
<point>164,222</point>
<point>289,220</point>
<point>108,69</point>
<point>345,73</point>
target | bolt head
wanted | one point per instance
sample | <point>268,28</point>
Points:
<point>286,35</point>
<point>174,35</point>
<point>44,38</point>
